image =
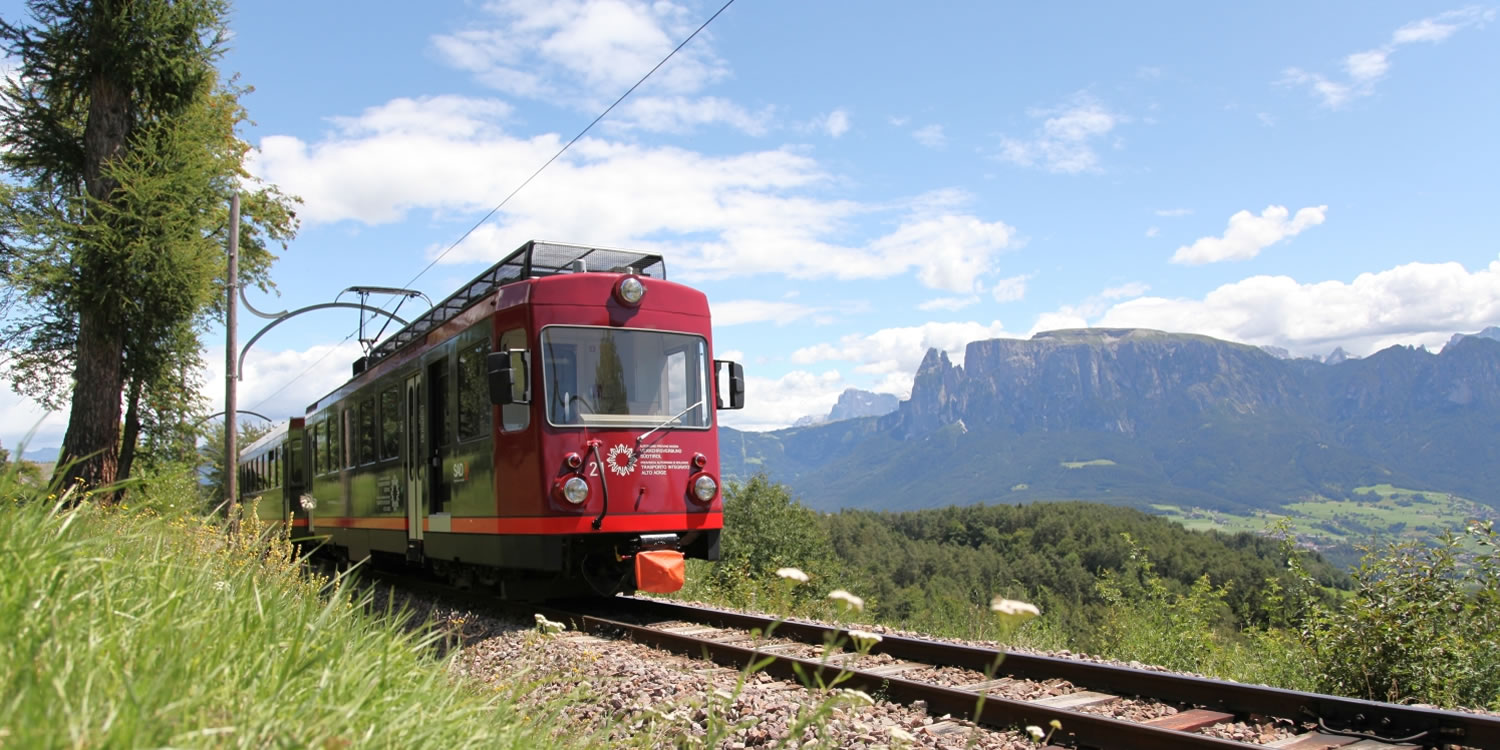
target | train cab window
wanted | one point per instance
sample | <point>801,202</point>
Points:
<point>390,423</point>
<point>514,417</point>
<point>623,377</point>
<point>473,392</point>
<point>367,430</point>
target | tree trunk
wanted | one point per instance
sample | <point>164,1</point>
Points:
<point>132,431</point>
<point>89,452</point>
<point>91,444</point>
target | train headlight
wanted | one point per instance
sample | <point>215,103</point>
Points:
<point>704,488</point>
<point>630,290</point>
<point>575,490</point>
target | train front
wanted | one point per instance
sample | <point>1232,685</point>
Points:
<point>620,379</point>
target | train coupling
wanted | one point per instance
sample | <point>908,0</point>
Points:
<point>657,541</point>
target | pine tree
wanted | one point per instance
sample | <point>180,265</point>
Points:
<point>120,139</point>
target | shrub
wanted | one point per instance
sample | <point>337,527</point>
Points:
<point>1423,625</point>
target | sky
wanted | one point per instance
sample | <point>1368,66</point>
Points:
<point>853,183</point>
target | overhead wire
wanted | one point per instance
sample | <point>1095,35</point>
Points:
<point>518,189</point>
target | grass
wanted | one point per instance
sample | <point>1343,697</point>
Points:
<point>139,627</point>
<point>1379,512</point>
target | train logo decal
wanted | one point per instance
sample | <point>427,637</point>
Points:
<point>621,459</point>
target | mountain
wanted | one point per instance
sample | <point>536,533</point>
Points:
<point>1493,333</point>
<point>1135,416</point>
<point>1336,356</point>
<point>853,403</point>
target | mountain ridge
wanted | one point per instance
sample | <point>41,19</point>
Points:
<point>1138,416</point>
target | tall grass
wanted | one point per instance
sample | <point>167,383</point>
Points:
<point>129,628</point>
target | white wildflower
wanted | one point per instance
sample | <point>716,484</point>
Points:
<point>548,626</point>
<point>308,502</point>
<point>1036,732</point>
<point>858,696</point>
<point>1013,608</point>
<point>864,639</point>
<point>793,574</point>
<point>221,585</point>
<point>851,601</point>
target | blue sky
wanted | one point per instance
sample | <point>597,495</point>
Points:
<point>854,182</point>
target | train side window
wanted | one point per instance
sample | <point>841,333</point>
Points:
<point>319,448</point>
<point>437,404</point>
<point>514,417</point>
<point>390,423</point>
<point>316,446</point>
<point>473,392</point>
<point>336,439</point>
<point>367,430</point>
<point>296,458</point>
<point>273,474</point>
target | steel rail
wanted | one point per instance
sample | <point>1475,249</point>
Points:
<point>1078,729</point>
<point>1386,720</point>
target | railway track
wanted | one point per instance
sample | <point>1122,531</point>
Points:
<point>724,637</point>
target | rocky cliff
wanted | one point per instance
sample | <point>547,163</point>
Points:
<point>1140,416</point>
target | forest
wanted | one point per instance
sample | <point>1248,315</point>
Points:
<point>1414,621</point>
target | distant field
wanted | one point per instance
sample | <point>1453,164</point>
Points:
<point>1380,511</point>
<point>1081,464</point>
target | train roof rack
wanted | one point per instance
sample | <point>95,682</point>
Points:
<point>533,259</point>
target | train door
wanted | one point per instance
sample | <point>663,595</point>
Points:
<point>414,461</point>
<point>437,434</point>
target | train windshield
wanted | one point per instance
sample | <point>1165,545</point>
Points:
<point>625,378</point>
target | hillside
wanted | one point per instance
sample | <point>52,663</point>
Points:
<point>1140,417</point>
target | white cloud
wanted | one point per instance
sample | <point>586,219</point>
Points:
<point>1416,303</point>
<point>1172,213</point>
<point>1078,316</point>
<point>585,53</point>
<point>1130,289</point>
<point>948,303</point>
<point>282,383</point>
<point>733,355</point>
<point>1064,142</point>
<point>950,251</point>
<point>682,114</point>
<point>836,123</point>
<point>930,136</point>
<point>896,352</point>
<point>1153,231</point>
<point>771,404</point>
<point>1443,25</point>
<point>1011,289</point>
<point>738,312</point>
<point>747,213</point>
<point>1248,234</point>
<point>1364,69</point>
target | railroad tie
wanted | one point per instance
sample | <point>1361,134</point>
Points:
<point>690,630</point>
<point>987,685</point>
<point>889,670</point>
<point>1077,700</point>
<point>1191,721</point>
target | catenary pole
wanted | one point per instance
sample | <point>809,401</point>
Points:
<point>231,397</point>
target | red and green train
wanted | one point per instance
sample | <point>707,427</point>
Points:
<point>549,430</point>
